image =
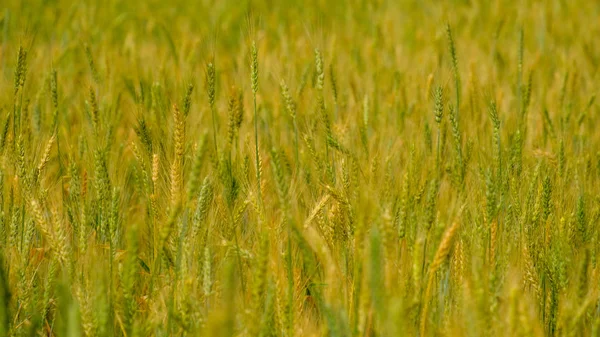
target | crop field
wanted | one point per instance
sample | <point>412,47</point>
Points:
<point>299,168</point>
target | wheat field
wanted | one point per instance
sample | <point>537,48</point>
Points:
<point>299,168</point>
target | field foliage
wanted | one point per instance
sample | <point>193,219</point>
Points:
<point>299,168</point>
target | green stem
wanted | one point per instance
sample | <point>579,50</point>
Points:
<point>257,158</point>
<point>214,123</point>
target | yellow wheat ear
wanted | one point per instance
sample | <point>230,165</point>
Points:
<point>439,258</point>
<point>176,166</point>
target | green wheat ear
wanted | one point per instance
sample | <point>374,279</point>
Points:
<point>194,180</point>
<point>254,85</point>
<point>290,106</point>
<point>455,70</point>
<point>438,109</point>
<point>20,70</point>
<point>211,90</point>
<point>187,100</point>
<point>438,112</point>
<point>92,63</point>
<point>207,276</point>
